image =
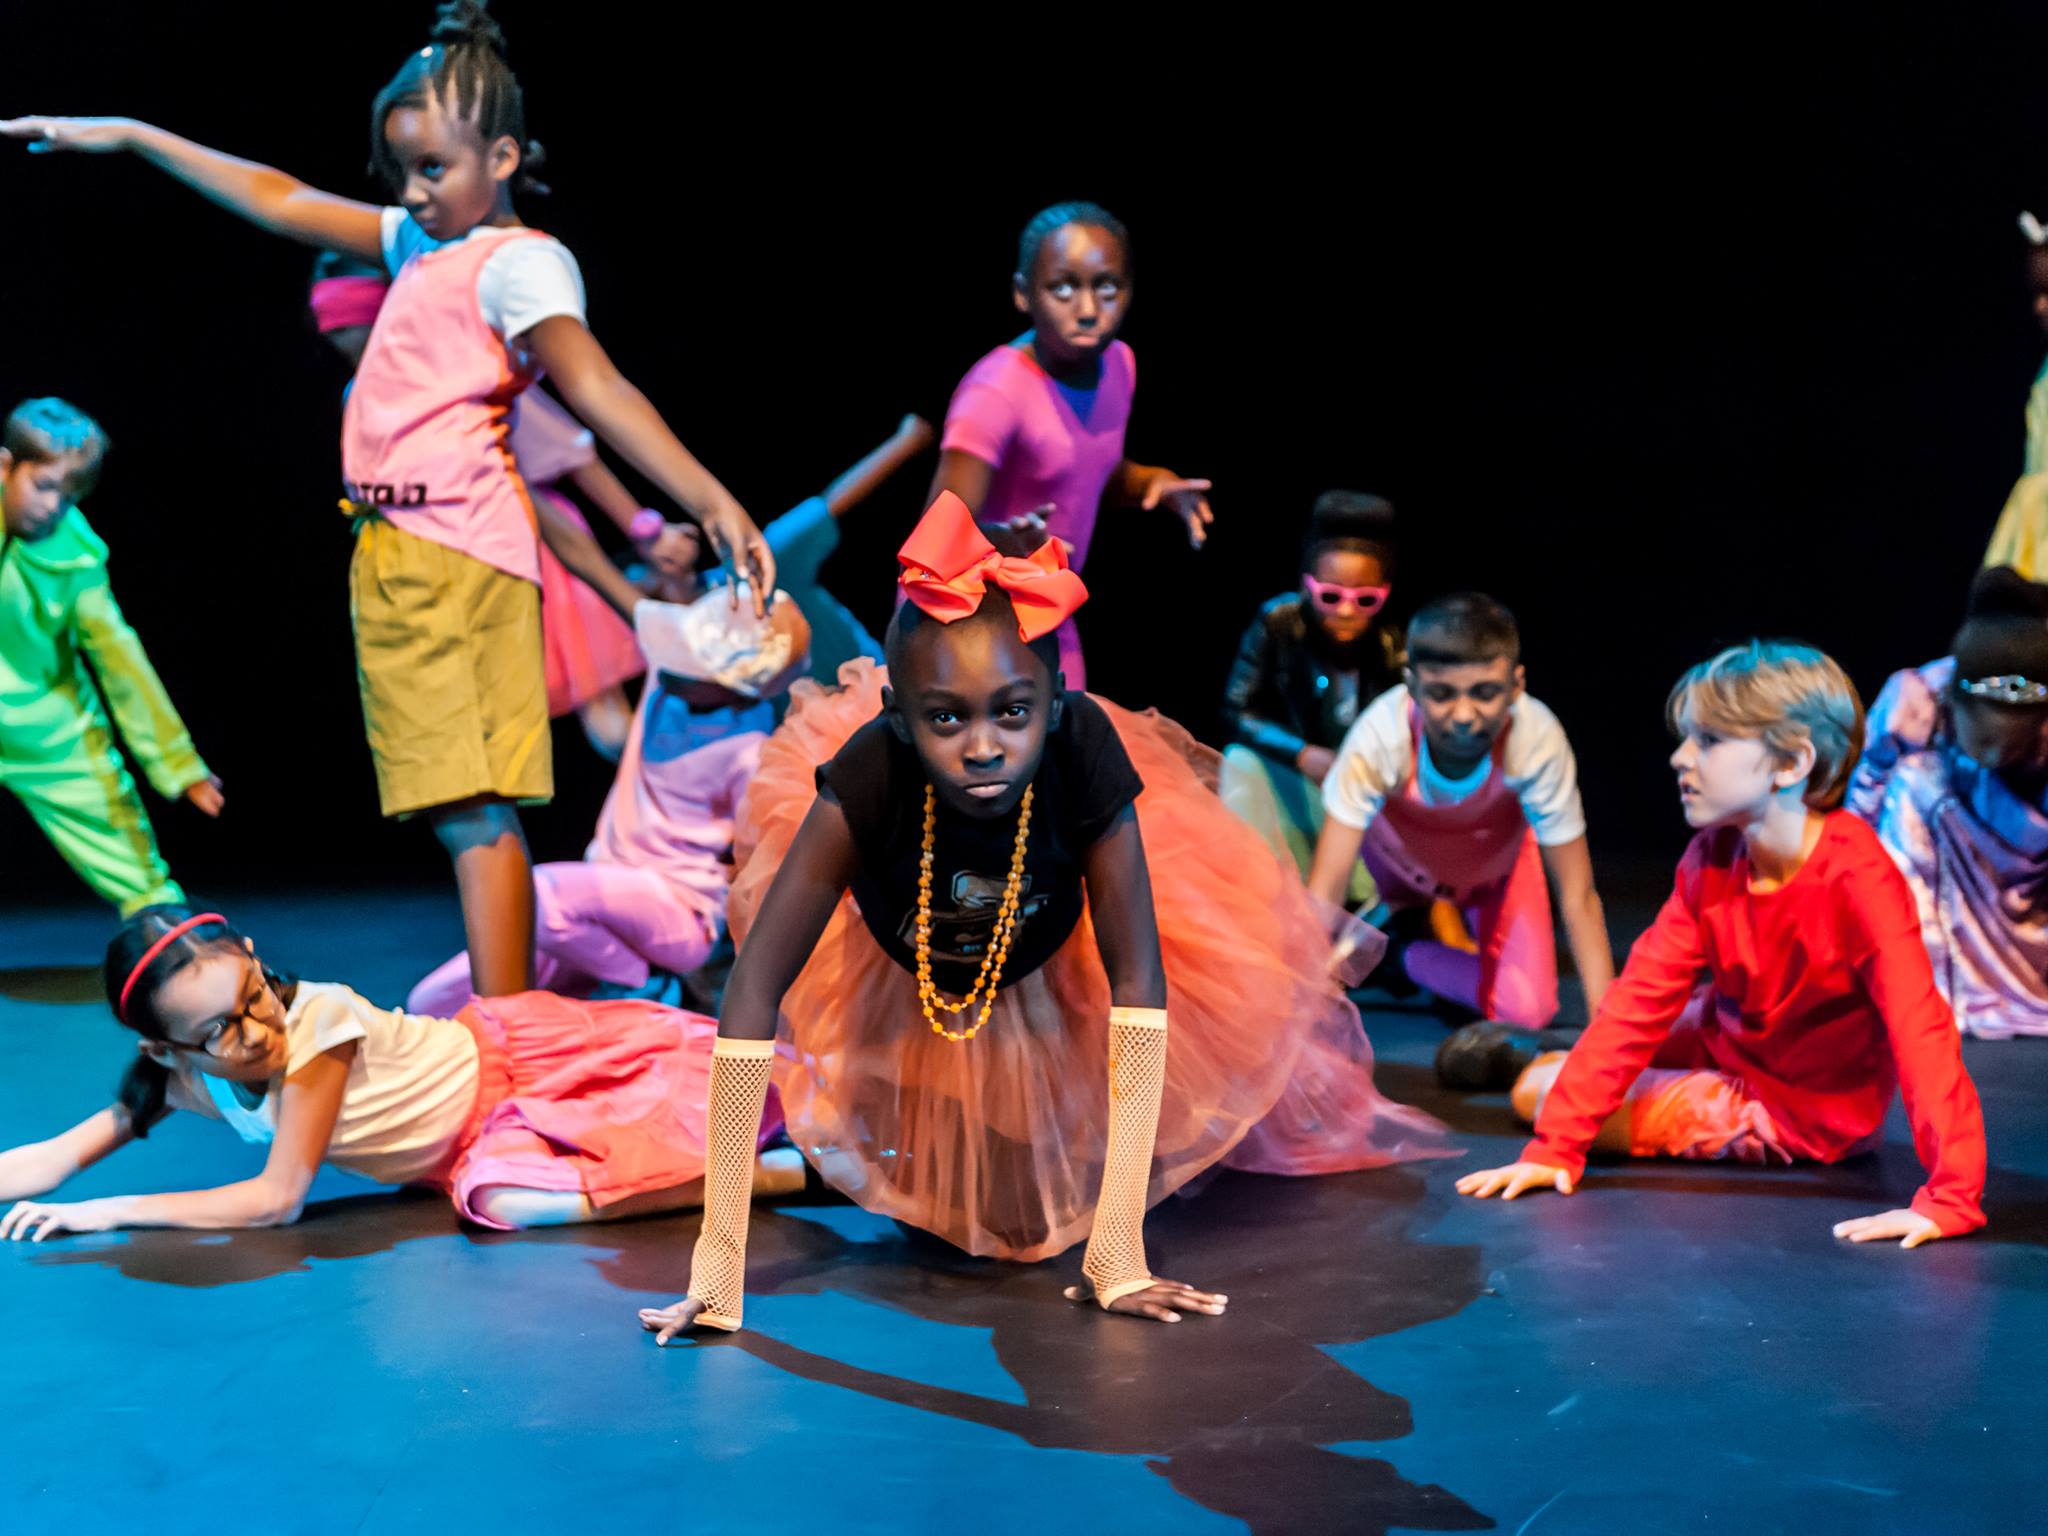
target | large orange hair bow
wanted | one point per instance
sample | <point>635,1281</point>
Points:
<point>949,565</point>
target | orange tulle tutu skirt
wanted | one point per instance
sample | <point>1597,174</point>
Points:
<point>996,1144</point>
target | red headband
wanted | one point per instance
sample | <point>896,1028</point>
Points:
<point>149,954</point>
<point>340,302</point>
<point>949,565</point>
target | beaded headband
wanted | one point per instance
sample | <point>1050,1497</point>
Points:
<point>2006,690</point>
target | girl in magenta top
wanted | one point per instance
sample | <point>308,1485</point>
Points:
<point>1035,434</point>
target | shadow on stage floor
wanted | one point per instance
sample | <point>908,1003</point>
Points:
<point>1675,1347</point>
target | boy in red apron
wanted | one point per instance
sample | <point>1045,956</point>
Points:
<point>1460,786</point>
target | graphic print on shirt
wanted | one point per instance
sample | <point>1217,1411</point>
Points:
<point>963,928</point>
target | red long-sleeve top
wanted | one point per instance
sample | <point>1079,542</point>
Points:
<point>1823,1002</point>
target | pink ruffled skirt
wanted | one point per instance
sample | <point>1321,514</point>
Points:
<point>604,1099</point>
<point>996,1144</point>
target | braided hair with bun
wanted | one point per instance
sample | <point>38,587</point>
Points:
<point>464,68</point>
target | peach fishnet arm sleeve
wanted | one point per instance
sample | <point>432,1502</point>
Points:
<point>1115,1260</point>
<point>718,1267</point>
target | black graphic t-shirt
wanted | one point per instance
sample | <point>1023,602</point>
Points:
<point>1083,781</point>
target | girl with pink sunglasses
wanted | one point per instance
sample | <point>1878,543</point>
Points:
<point>1310,661</point>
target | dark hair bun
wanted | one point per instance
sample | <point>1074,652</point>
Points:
<point>2002,592</point>
<point>467,21</point>
<point>1352,515</point>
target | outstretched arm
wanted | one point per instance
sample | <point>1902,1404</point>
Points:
<point>1570,867</point>
<point>1635,1017</point>
<point>814,874</point>
<point>969,476</point>
<point>1941,1100</point>
<point>40,1166</point>
<point>305,1124</point>
<point>1147,486</point>
<point>1126,931</point>
<point>585,559</point>
<point>607,492</point>
<point>966,475</point>
<point>912,436</point>
<point>154,732</point>
<point>268,198</point>
<point>1120,905</point>
<point>1337,852</point>
<point>625,419</point>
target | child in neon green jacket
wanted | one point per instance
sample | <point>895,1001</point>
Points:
<point>57,613</point>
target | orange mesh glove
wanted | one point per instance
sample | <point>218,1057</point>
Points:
<point>1115,1260</point>
<point>718,1267</point>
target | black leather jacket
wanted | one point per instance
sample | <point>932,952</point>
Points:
<point>1285,690</point>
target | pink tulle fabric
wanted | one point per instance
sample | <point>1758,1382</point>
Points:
<point>605,1099</point>
<point>997,1144</point>
<point>588,648</point>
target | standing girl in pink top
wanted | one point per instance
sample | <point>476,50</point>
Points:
<point>444,584</point>
<point>1035,434</point>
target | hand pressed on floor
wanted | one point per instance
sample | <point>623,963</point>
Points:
<point>666,1322</point>
<point>1162,1300</point>
<point>1910,1227</point>
<point>1515,1179</point>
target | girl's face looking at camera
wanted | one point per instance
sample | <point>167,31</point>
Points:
<point>975,703</point>
<point>1336,603</point>
<point>449,179</point>
<point>1076,293</point>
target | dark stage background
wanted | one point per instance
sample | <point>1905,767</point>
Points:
<point>1664,341</point>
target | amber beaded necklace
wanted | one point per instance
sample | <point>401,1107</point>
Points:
<point>999,941</point>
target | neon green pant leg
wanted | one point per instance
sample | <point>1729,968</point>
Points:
<point>89,808</point>
<point>1284,808</point>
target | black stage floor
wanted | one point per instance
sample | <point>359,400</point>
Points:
<point>1675,1349</point>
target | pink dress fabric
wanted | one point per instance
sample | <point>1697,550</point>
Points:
<point>996,1144</point>
<point>1047,444</point>
<point>601,1099</point>
<point>588,648</point>
<point>425,435</point>
<point>1481,855</point>
<point>651,889</point>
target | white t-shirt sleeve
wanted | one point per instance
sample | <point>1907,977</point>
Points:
<point>1541,770</point>
<point>1372,763</point>
<point>528,281</point>
<point>324,1017</point>
<point>524,282</point>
